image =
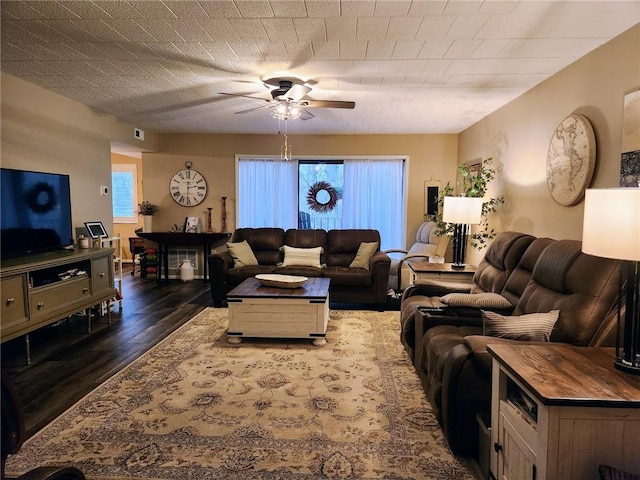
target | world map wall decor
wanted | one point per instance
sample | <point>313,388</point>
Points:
<point>571,160</point>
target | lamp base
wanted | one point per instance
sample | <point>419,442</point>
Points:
<point>626,367</point>
<point>459,266</point>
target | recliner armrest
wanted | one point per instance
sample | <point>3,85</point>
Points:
<point>434,288</point>
<point>219,263</point>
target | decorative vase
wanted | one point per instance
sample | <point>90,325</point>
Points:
<point>223,216</point>
<point>147,223</point>
<point>186,271</point>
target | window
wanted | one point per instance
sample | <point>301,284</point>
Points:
<point>124,195</point>
<point>327,194</point>
<point>320,191</point>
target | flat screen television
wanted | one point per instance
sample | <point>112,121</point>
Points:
<point>35,212</point>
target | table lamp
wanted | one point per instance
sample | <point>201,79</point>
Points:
<point>462,212</point>
<point>612,230</point>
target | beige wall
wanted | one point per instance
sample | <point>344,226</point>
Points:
<point>45,131</point>
<point>430,156</point>
<point>517,136</point>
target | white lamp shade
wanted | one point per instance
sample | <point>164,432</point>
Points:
<point>464,210</point>
<point>611,226</point>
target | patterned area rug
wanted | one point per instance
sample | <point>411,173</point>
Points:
<point>197,407</point>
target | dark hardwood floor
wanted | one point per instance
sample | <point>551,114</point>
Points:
<point>67,363</point>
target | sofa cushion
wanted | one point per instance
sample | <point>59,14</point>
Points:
<point>477,300</point>
<point>300,271</point>
<point>583,287</point>
<point>265,243</point>
<point>519,278</point>
<point>306,238</point>
<point>345,276</point>
<point>499,261</point>
<point>235,276</point>
<point>242,254</point>
<point>301,256</point>
<point>477,344</point>
<point>364,254</point>
<point>534,326</point>
<point>423,234</point>
<point>342,245</point>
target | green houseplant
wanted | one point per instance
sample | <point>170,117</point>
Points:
<point>147,208</point>
<point>472,182</point>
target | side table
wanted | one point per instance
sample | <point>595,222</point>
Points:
<point>558,411</point>
<point>424,271</point>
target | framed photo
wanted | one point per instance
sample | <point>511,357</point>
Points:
<point>191,224</point>
<point>96,229</point>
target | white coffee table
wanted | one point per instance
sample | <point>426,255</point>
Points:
<point>271,312</point>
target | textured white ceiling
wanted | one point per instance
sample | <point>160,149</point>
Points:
<point>411,66</point>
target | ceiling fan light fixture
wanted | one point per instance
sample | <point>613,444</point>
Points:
<point>286,111</point>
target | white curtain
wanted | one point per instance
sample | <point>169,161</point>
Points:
<point>267,193</point>
<point>374,198</point>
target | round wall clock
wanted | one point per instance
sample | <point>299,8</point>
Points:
<point>571,160</point>
<point>188,187</point>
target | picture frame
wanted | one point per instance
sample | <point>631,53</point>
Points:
<point>96,230</point>
<point>431,197</point>
<point>191,225</point>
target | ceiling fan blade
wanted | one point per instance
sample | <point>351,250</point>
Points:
<point>306,115</point>
<point>297,92</point>
<point>245,96</point>
<point>253,109</point>
<point>327,104</point>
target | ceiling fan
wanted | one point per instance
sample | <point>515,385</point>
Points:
<point>288,100</point>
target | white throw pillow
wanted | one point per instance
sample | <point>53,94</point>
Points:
<point>309,257</point>
<point>532,327</point>
<point>476,300</point>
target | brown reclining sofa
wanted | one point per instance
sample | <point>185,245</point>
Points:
<point>348,284</point>
<point>536,275</point>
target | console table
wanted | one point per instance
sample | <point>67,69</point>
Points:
<point>40,289</point>
<point>167,239</point>
<point>558,411</point>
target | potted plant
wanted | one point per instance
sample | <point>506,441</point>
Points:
<point>472,183</point>
<point>147,210</point>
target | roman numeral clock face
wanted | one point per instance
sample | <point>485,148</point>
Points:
<point>188,187</point>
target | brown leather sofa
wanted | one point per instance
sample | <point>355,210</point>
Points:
<point>348,284</point>
<point>450,348</point>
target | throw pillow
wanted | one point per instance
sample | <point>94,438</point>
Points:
<point>366,250</point>
<point>309,257</point>
<point>242,254</point>
<point>476,300</point>
<point>532,327</point>
<point>610,473</point>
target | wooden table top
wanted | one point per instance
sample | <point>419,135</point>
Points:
<point>424,266</point>
<point>313,288</point>
<point>567,375</point>
<point>185,239</point>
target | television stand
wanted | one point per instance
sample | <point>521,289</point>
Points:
<point>40,289</point>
